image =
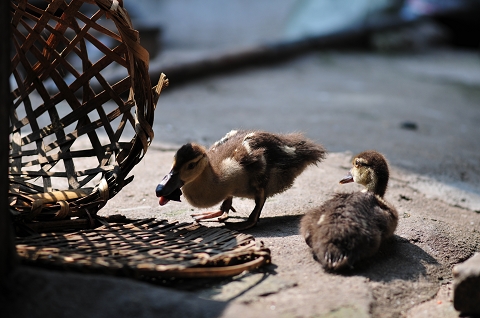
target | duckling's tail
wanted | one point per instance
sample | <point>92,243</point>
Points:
<point>309,152</point>
<point>303,152</point>
<point>331,257</point>
<point>325,250</point>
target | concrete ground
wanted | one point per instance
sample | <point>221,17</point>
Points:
<point>420,109</point>
<point>349,102</point>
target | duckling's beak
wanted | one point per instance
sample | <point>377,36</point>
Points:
<point>169,188</point>
<point>348,178</point>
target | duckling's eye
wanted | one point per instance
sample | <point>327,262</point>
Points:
<point>360,163</point>
<point>191,165</point>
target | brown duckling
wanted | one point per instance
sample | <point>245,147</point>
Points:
<point>350,226</point>
<point>245,163</point>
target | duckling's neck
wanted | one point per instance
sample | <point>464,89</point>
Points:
<point>378,188</point>
<point>206,190</point>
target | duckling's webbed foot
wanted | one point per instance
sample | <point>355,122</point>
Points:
<point>254,216</point>
<point>221,215</point>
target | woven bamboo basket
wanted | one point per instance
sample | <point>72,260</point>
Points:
<point>146,249</point>
<point>83,109</point>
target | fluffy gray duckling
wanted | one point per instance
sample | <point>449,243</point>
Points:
<point>351,226</point>
<point>246,163</point>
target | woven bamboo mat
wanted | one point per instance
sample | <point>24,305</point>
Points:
<point>147,248</point>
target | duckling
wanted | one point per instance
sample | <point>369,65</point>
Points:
<point>245,163</point>
<point>351,226</point>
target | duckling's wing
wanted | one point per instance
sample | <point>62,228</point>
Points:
<point>308,224</point>
<point>285,151</point>
<point>235,145</point>
<point>386,216</point>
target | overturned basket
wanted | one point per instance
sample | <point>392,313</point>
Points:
<point>79,89</point>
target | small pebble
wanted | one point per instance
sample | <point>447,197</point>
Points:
<point>409,125</point>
